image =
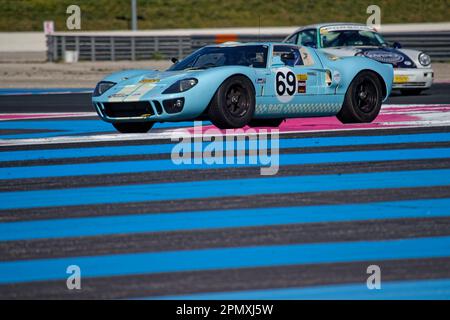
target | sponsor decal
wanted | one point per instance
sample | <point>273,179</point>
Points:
<point>117,95</point>
<point>385,57</point>
<point>325,30</point>
<point>301,83</point>
<point>301,86</point>
<point>149,80</point>
<point>297,108</point>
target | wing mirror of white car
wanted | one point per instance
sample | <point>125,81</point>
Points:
<point>277,62</point>
<point>396,45</point>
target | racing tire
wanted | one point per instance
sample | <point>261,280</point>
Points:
<point>362,102</point>
<point>233,105</point>
<point>411,92</point>
<point>133,127</point>
<point>272,123</point>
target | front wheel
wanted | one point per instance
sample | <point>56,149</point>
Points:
<point>363,99</point>
<point>133,127</point>
<point>233,105</point>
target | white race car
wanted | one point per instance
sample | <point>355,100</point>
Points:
<point>412,68</point>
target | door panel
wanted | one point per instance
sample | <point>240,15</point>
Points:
<point>296,89</point>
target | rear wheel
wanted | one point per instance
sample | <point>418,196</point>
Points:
<point>133,127</point>
<point>363,99</point>
<point>233,105</point>
<point>266,123</point>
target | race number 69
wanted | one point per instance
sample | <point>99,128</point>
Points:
<point>285,84</point>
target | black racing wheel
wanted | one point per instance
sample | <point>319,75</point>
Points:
<point>133,127</point>
<point>233,105</point>
<point>363,99</point>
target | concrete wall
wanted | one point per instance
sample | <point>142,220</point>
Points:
<point>22,47</point>
<point>22,42</point>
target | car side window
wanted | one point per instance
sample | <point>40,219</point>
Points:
<point>292,39</point>
<point>308,38</point>
<point>289,55</point>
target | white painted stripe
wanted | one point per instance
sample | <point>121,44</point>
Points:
<point>168,134</point>
<point>427,119</point>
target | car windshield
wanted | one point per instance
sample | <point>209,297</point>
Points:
<point>357,38</point>
<point>209,57</point>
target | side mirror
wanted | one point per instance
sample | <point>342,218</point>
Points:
<point>277,62</point>
<point>396,45</point>
<point>174,60</point>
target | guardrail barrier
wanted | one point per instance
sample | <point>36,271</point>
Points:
<point>142,47</point>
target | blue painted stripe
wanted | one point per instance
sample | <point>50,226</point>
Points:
<point>209,259</point>
<point>82,125</point>
<point>82,227</point>
<point>436,289</point>
<point>167,148</point>
<point>222,188</point>
<point>70,127</point>
<point>85,169</point>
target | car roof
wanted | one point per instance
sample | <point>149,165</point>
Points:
<point>330,24</point>
<point>241,44</point>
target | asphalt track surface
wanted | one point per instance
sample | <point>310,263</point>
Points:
<point>80,100</point>
<point>73,192</point>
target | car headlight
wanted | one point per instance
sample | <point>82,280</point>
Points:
<point>424,59</point>
<point>102,87</point>
<point>181,86</point>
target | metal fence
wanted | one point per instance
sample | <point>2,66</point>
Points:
<point>112,48</point>
<point>141,47</point>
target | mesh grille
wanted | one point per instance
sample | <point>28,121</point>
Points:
<point>127,109</point>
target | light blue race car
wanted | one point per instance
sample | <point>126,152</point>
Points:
<point>237,84</point>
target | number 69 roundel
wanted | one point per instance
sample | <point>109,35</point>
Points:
<point>285,84</point>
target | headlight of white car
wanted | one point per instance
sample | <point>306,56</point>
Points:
<point>424,59</point>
